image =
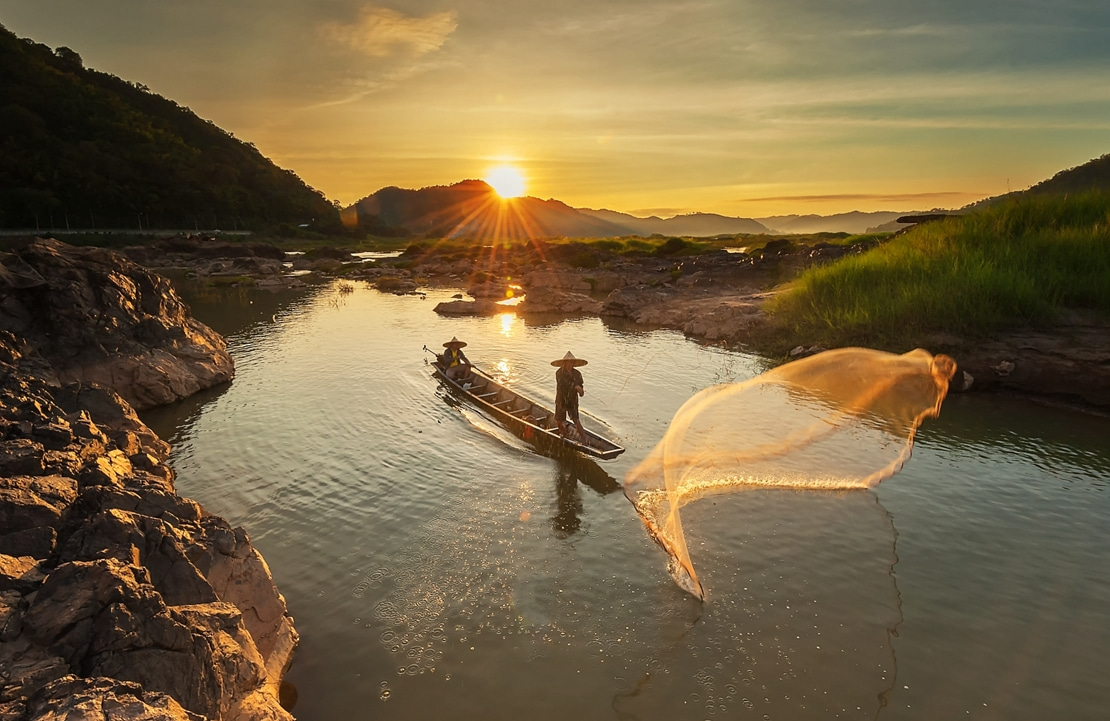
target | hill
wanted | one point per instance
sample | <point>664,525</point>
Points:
<point>1092,175</point>
<point>853,222</point>
<point>470,209</point>
<point>85,149</point>
<point>695,225</point>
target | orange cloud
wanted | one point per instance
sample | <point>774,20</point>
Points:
<point>380,32</point>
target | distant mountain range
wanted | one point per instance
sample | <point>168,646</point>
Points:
<point>472,208</point>
<point>693,224</point>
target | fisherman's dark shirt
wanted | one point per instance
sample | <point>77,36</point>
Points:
<point>565,381</point>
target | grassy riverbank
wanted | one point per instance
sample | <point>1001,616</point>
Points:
<point>1022,262</point>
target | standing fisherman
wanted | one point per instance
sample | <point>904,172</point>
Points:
<point>568,388</point>
<point>455,364</point>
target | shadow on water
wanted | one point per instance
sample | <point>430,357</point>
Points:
<point>570,471</point>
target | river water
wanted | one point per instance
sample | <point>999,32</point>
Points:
<point>437,567</point>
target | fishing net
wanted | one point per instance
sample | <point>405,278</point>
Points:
<point>837,420</point>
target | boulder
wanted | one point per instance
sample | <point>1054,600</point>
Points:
<point>489,290</point>
<point>98,317</point>
<point>393,284</point>
<point>552,300</point>
<point>629,302</point>
<point>23,573</point>
<point>465,307</point>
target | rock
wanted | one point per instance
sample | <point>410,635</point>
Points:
<point>28,502</point>
<point>1004,368</point>
<point>489,291</point>
<point>118,598</point>
<point>99,317</point>
<point>144,541</point>
<point>560,279</point>
<point>20,573</point>
<point>105,618</point>
<point>725,318</point>
<point>112,413</point>
<point>804,352</point>
<point>391,284</point>
<point>38,542</point>
<point>21,456</point>
<point>631,301</point>
<point>476,307</point>
<point>552,300</point>
<point>71,697</point>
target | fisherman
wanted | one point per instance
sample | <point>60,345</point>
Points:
<point>455,364</point>
<point>568,388</point>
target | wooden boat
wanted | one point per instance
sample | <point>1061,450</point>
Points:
<point>524,417</point>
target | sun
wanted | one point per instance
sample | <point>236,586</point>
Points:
<point>506,181</point>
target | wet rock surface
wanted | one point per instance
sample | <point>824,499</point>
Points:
<point>118,598</point>
<point>91,315</point>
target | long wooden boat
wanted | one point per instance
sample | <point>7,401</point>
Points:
<point>525,417</point>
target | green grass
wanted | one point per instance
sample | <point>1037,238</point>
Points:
<point>1020,263</point>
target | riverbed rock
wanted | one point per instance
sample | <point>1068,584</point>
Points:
<point>489,290</point>
<point>1070,363</point>
<point>469,307</point>
<point>633,301</point>
<point>98,317</point>
<point>553,300</point>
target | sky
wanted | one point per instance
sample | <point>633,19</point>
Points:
<point>747,108</point>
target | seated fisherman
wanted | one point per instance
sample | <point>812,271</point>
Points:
<point>455,364</point>
<point>568,387</point>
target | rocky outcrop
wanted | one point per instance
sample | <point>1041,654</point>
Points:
<point>469,307</point>
<point>93,316</point>
<point>709,316</point>
<point>1071,363</point>
<point>119,598</point>
<point>552,300</point>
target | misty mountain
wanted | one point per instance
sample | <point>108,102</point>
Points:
<point>853,222</point>
<point>472,208</point>
<point>85,149</point>
<point>697,225</point>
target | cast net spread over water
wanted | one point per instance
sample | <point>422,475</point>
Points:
<point>837,420</point>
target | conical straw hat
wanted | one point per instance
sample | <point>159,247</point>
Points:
<point>569,357</point>
<point>454,342</point>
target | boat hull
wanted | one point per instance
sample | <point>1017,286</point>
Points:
<point>526,418</point>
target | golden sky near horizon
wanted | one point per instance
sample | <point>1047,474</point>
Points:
<point>740,107</point>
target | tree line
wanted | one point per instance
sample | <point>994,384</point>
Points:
<point>87,150</point>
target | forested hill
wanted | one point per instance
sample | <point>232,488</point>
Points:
<point>90,150</point>
<point>1092,175</point>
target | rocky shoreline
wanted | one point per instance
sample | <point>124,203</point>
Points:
<point>118,598</point>
<point>715,297</point>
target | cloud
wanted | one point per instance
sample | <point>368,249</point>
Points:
<point>381,32</point>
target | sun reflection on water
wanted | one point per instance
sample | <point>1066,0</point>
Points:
<point>507,320</point>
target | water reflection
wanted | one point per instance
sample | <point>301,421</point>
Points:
<point>419,555</point>
<point>570,470</point>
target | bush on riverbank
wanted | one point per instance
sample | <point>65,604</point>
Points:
<point>1022,262</point>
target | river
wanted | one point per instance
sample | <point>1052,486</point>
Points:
<point>437,567</point>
